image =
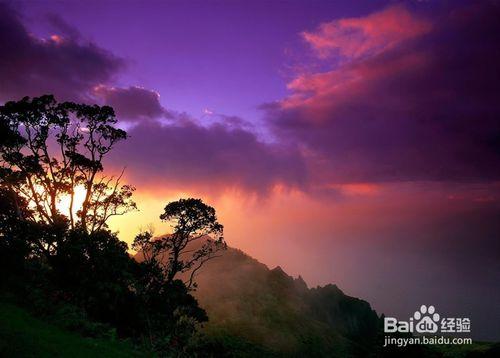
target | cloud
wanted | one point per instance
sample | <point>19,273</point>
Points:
<point>132,103</point>
<point>64,66</point>
<point>411,100</point>
<point>219,154</point>
<point>187,155</point>
<point>357,37</point>
<point>59,24</point>
<point>421,109</point>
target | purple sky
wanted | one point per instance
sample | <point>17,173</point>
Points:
<point>350,142</point>
<point>226,56</point>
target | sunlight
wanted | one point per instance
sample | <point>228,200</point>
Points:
<point>63,203</point>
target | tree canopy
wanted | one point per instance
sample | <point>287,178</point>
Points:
<point>49,149</point>
<point>196,238</point>
<point>64,253</point>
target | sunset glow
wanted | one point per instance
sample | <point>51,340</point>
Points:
<point>64,201</point>
<point>354,143</point>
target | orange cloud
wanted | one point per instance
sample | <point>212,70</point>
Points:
<point>360,189</point>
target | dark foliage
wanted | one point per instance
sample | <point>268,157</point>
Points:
<point>193,222</point>
<point>72,269</point>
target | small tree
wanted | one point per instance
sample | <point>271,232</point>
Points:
<point>197,237</point>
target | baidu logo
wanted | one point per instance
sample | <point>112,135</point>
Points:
<point>426,320</point>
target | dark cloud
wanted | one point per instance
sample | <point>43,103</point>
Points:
<point>133,102</point>
<point>220,155</point>
<point>63,66</point>
<point>214,157</point>
<point>59,24</point>
<point>425,108</point>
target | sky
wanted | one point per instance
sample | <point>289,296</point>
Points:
<point>356,143</point>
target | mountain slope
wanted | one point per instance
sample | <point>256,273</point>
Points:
<point>245,299</point>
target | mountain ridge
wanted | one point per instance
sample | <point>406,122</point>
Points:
<point>271,310</point>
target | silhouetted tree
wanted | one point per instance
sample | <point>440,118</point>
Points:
<point>177,253</point>
<point>54,148</point>
<point>47,150</point>
<point>171,313</point>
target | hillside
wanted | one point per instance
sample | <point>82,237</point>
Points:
<point>22,335</point>
<point>254,312</point>
<point>246,301</point>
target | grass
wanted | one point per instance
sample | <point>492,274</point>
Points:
<point>22,335</point>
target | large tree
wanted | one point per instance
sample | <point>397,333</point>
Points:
<point>49,153</point>
<point>51,149</point>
